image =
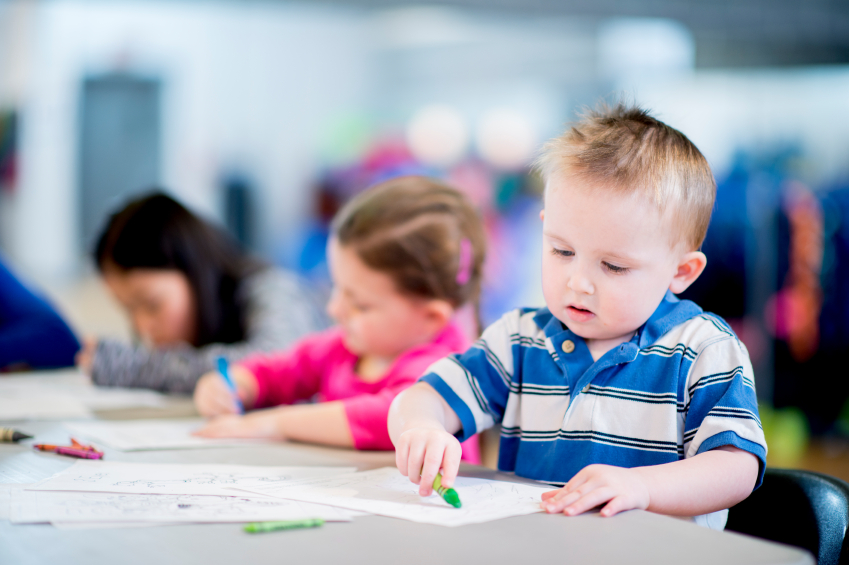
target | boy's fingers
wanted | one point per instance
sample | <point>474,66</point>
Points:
<point>589,501</point>
<point>451,463</point>
<point>577,481</point>
<point>432,462</point>
<point>557,504</point>
<point>401,454</point>
<point>615,506</point>
<point>574,493</point>
<point>414,462</point>
<point>549,494</point>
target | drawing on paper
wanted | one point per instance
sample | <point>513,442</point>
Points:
<point>44,506</point>
<point>387,492</point>
<point>151,478</point>
<point>221,479</point>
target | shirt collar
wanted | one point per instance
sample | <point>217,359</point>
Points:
<point>670,312</point>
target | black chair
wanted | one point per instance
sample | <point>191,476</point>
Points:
<point>801,508</point>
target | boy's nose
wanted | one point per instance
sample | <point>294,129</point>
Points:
<point>581,284</point>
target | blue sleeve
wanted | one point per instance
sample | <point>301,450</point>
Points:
<point>722,407</point>
<point>31,332</point>
<point>476,384</point>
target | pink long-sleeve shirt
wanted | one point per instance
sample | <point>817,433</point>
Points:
<point>320,367</point>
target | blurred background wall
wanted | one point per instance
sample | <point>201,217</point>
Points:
<point>266,116</point>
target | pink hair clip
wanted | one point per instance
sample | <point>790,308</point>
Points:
<point>464,269</point>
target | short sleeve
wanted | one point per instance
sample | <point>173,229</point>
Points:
<point>721,406</point>
<point>476,384</point>
<point>367,415</point>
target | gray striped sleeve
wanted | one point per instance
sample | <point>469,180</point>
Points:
<point>281,309</point>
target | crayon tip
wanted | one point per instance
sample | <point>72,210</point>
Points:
<point>452,498</point>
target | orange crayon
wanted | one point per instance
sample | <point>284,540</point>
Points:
<point>45,447</point>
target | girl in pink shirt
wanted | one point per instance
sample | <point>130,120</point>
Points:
<point>403,256</point>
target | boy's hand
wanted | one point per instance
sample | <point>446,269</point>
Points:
<point>214,398</point>
<point>622,489</point>
<point>256,425</point>
<point>421,452</point>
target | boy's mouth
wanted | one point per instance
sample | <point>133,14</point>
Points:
<point>579,314</point>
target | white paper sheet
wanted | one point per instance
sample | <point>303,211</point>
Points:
<point>142,435</point>
<point>388,493</point>
<point>111,525</point>
<point>31,467</point>
<point>65,394</point>
<point>41,406</point>
<point>6,498</point>
<point>170,478</point>
<point>33,507</point>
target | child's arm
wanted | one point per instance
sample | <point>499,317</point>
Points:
<point>270,380</point>
<point>421,425</point>
<point>325,423</point>
<point>707,482</point>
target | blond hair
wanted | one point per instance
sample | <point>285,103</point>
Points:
<point>624,148</point>
<point>425,235</point>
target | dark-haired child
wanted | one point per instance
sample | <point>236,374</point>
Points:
<point>192,296</point>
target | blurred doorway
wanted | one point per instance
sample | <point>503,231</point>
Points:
<point>120,145</point>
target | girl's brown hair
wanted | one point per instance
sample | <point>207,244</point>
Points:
<point>425,235</point>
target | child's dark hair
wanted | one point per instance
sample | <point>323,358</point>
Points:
<point>425,235</point>
<point>157,232</point>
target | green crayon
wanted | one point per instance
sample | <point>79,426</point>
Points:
<point>258,527</point>
<point>449,495</point>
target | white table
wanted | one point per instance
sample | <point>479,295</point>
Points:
<point>632,537</point>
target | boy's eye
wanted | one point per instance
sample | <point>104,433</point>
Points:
<point>614,268</point>
<point>562,252</point>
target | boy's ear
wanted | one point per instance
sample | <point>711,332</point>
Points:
<point>689,268</point>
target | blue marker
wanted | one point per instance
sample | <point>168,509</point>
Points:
<point>225,374</point>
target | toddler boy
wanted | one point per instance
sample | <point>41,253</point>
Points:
<point>617,389</point>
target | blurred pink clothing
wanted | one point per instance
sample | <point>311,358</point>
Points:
<point>320,367</point>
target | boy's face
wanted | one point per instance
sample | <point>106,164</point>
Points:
<point>607,259</point>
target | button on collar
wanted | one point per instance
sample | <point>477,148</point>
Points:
<point>568,346</point>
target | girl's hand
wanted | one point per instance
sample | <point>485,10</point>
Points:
<point>85,356</point>
<point>421,452</point>
<point>622,489</point>
<point>214,398</point>
<point>256,425</point>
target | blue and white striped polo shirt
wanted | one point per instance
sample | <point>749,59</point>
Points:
<point>683,385</point>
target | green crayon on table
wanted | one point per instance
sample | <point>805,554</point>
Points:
<point>448,494</point>
<point>258,527</point>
